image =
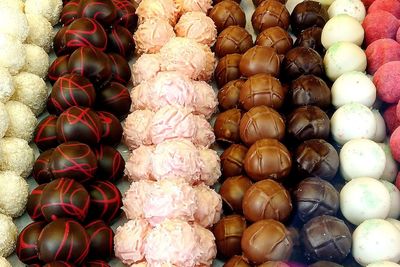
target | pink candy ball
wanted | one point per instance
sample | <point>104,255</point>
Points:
<point>391,120</point>
<point>391,6</point>
<point>395,144</point>
<point>380,52</point>
<point>387,80</point>
<point>380,25</point>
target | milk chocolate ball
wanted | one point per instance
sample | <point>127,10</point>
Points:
<point>277,38</point>
<point>260,59</point>
<point>302,60</point>
<point>227,13</point>
<point>311,38</point>
<point>308,14</point>
<point>309,90</point>
<point>232,191</point>
<point>227,69</point>
<point>232,160</point>
<point>270,13</point>
<point>237,261</point>
<point>228,96</point>
<point>259,123</point>
<point>233,39</point>
<point>226,127</point>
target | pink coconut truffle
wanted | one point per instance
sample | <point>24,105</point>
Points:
<point>395,144</point>
<point>380,25</point>
<point>380,52</point>
<point>391,119</point>
<point>209,206</point>
<point>146,67</point>
<point>193,5</point>
<point>391,6</point>
<point>136,128</point>
<point>207,249</point>
<point>205,100</point>
<point>197,26</point>
<point>387,80</point>
<point>161,9</point>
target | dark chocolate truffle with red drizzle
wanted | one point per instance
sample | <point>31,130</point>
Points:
<point>41,168</point>
<point>59,42</point>
<point>120,41</point>
<point>114,98</point>
<point>69,13</point>
<point>103,11</point>
<point>73,160</point>
<point>101,240</point>
<point>63,240</point>
<point>79,124</point>
<point>105,201</point>
<point>26,249</point>
<point>96,263</point>
<point>227,69</point>
<point>58,68</point>
<point>45,136</point>
<point>112,129</point>
<point>110,163</point>
<point>126,14</point>
<point>33,204</point>
<point>121,72</point>
<point>59,264</point>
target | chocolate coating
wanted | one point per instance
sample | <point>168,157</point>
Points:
<point>308,14</point>
<point>112,129</point>
<point>232,160</point>
<point>114,98</point>
<point>232,191</point>
<point>101,240</point>
<point>227,13</point>
<point>96,263</point>
<point>277,38</point>
<point>233,39</point>
<point>110,163</point>
<point>309,90</point>
<point>58,68</point>
<point>103,11</point>
<point>325,264</point>
<point>69,13</point>
<point>236,261</point>
<point>41,169</point>
<point>311,38</point>
<point>302,60</point>
<point>260,59</point>
<point>45,136</point>
<point>120,41</point>
<point>228,96</point>
<point>126,14</point>
<point>26,248</point>
<point>33,207</point>
<point>227,69</point>
<point>270,13</point>
<point>226,127</point>
<point>59,264</point>
<point>60,43</point>
<point>258,2</point>
<point>121,72</point>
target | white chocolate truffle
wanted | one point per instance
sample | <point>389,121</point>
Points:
<point>364,198</point>
<point>354,8</point>
<point>14,23</point>
<point>361,158</point>
<point>12,53</point>
<point>37,60</point>
<point>4,262</point>
<point>394,199</point>
<point>4,120</point>
<point>6,85</point>
<point>13,194</point>
<point>50,9</point>
<point>376,240</point>
<point>352,121</point>
<point>8,235</point>
<point>18,156</point>
<point>22,121</point>
<point>383,264</point>
<point>40,32</point>
<point>353,86</point>
<point>391,169</point>
<point>342,28</point>
<point>395,222</point>
<point>337,59</point>
<point>380,133</point>
<point>15,4</point>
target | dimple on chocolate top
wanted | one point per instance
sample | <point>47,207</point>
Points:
<point>311,37</point>
<point>227,69</point>
<point>270,13</point>
<point>309,90</point>
<point>277,38</point>
<point>260,59</point>
<point>233,39</point>
<point>302,60</point>
<point>228,96</point>
<point>227,13</point>
<point>308,14</point>
<point>226,127</point>
<point>232,160</point>
<point>232,191</point>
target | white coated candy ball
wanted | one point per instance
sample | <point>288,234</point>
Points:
<point>337,59</point>
<point>342,28</point>
<point>395,222</point>
<point>4,120</point>
<point>40,32</point>
<point>18,156</point>
<point>15,4</point>
<point>37,60</point>
<point>352,121</point>
<point>8,235</point>
<point>12,53</point>
<point>6,85</point>
<point>376,240</point>
<point>30,90</point>
<point>4,262</point>
<point>380,134</point>
<point>354,8</point>
<point>13,22</point>
<point>50,9</point>
<point>391,169</point>
<point>22,121</point>
<point>364,198</point>
<point>383,264</point>
<point>394,199</point>
<point>13,194</point>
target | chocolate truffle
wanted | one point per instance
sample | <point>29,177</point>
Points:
<point>101,240</point>
<point>59,264</point>
<point>227,69</point>
<point>73,160</point>
<point>63,240</point>
<point>126,14</point>
<point>96,263</point>
<point>232,191</point>
<point>69,13</point>
<point>227,13</point>
<point>233,39</point>
<point>103,11</point>
<point>270,13</point>
<point>26,249</point>
<point>120,41</point>
<point>41,169</point>
<point>121,72</point>
<point>33,205</point>
<point>311,38</point>
<point>261,122</point>
<point>267,199</point>
<point>237,261</point>
<point>58,68</point>
<point>228,234</point>
<point>45,136</point>
<point>261,89</point>
<point>114,98</point>
<point>260,59</point>
<point>226,127</point>
<point>302,60</point>
<point>314,197</point>
<point>325,264</point>
<point>112,129</point>
<point>266,240</point>
<point>309,90</point>
<point>326,238</point>
<point>277,38</point>
<point>232,160</point>
<point>228,96</point>
<point>317,158</point>
<point>110,163</point>
<point>59,42</point>
<point>267,158</point>
<point>308,14</point>
<point>308,122</point>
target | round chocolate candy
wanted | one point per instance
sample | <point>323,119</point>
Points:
<point>58,68</point>
<point>237,261</point>
<point>261,89</point>
<point>233,39</point>
<point>309,90</point>
<point>112,129</point>
<point>277,38</point>
<point>317,158</point>
<point>103,11</point>
<point>95,263</point>
<point>258,2</point>
<point>218,1</point>
<point>267,158</point>
<point>63,240</point>
<point>308,14</point>
<point>121,72</point>
<point>266,240</point>
<point>101,240</point>
<point>227,69</point>
<point>314,197</point>
<point>33,207</point>
<point>228,234</point>
<point>227,13</point>
<point>260,59</point>
<point>120,41</point>
<point>69,13</point>
<point>325,264</point>
<point>226,127</point>
<point>261,122</point>
<point>114,98</point>
<point>126,14</point>
<point>311,38</point>
<point>26,248</point>
<point>59,42</point>
<point>79,124</point>
<point>59,264</point>
<point>232,191</point>
<point>302,60</point>
<point>228,96</point>
<point>326,238</point>
<point>73,160</point>
<point>45,136</point>
<point>270,13</point>
<point>232,160</point>
<point>41,169</point>
<point>110,163</point>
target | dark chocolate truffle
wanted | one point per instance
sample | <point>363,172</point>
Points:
<point>60,43</point>
<point>33,205</point>
<point>232,191</point>
<point>59,264</point>
<point>58,68</point>
<point>326,238</point>
<point>232,160</point>
<point>270,13</point>
<point>260,59</point>
<point>308,14</point>
<point>96,263</point>
<point>311,38</point>
<point>277,38</point>
<point>226,127</point>
<point>101,240</point>
<point>227,13</point>
<point>126,14</point>
<point>227,69</point>
<point>236,261</point>
<point>261,122</point>
<point>267,158</point>
<point>69,13</point>
<point>121,72</point>
<point>114,98</point>
<point>309,90</point>
<point>41,169</point>
<point>233,39</point>
<point>120,41</point>
<point>228,234</point>
<point>228,96</point>
<point>112,129</point>
<point>266,240</point>
<point>110,163</point>
<point>45,136</point>
<point>103,11</point>
<point>302,60</point>
<point>26,248</point>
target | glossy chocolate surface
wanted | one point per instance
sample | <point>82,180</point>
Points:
<point>260,59</point>
<point>308,14</point>
<point>41,169</point>
<point>45,136</point>
<point>232,160</point>
<point>120,41</point>
<point>26,248</point>
<point>110,163</point>
<point>311,38</point>
<point>228,96</point>
<point>302,61</point>
<point>33,207</point>
<point>277,38</point>
<point>112,128</point>
<point>114,98</point>
<point>233,39</point>
<point>227,13</point>
<point>270,13</point>
<point>227,69</point>
<point>309,90</point>
<point>103,11</point>
<point>232,191</point>
<point>226,127</point>
<point>101,240</point>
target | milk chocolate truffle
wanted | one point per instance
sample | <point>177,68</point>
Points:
<point>226,127</point>
<point>267,158</point>
<point>232,160</point>
<point>121,72</point>
<point>261,122</point>
<point>302,60</point>
<point>232,191</point>
<point>112,129</point>
<point>110,163</point>
<point>120,41</point>
<point>58,68</point>
<point>267,199</point>
<point>69,13</point>
<point>260,59</point>
<point>41,169</point>
<point>308,14</point>
<point>101,240</point>
<point>227,69</point>
<point>233,39</point>
<point>114,98</point>
<point>237,261</point>
<point>261,89</point>
<point>311,38</point>
<point>227,13</point>
<point>266,240</point>
<point>314,197</point>
<point>45,136</point>
<point>228,96</point>
<point>270,13</point>
<point>60,43</point>
<point>228,234</point>
<point>33,207</point>
<point>27,250</point>
<point>309,90</point>
<point>103,11</point>
<point>317,158</point>
<point>308,122</point>
<point>326,238</point>
<point>277,38</point>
